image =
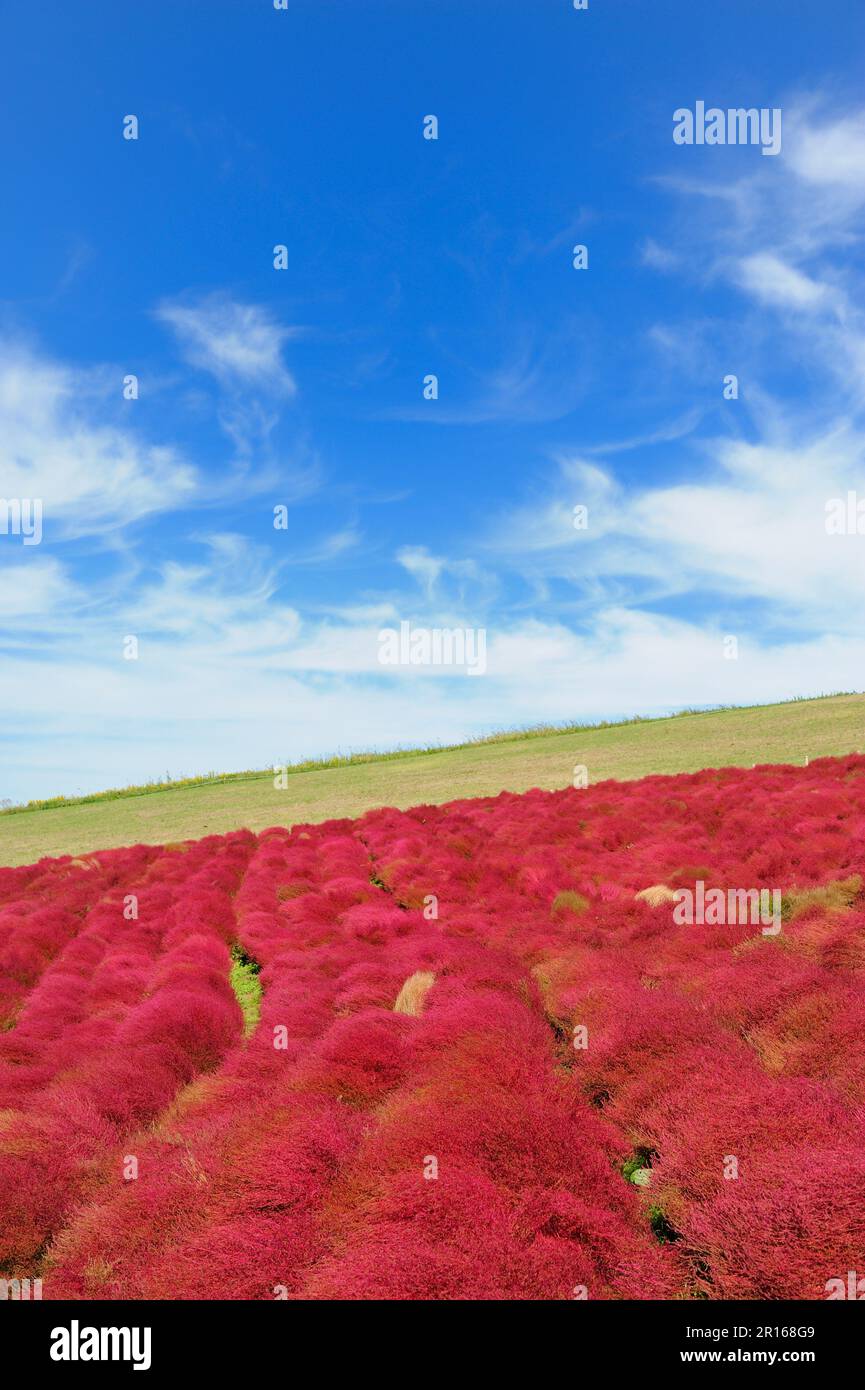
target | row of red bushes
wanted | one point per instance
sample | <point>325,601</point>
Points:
<point>348,1150</point>
<point>129,1010</point>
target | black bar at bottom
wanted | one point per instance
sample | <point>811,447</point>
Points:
<point>233,1338</point>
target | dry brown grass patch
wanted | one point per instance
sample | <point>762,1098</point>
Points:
<point>412,996</point>
<point>655,895</point>
<point>836,896</point>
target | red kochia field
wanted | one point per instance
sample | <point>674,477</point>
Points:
<point>459,1146</point>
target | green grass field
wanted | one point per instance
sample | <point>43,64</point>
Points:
<point>783,733</point>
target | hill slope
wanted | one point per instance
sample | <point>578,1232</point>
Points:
<point>783,733</point>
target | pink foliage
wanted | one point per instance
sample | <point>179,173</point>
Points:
<point>481,1148</point>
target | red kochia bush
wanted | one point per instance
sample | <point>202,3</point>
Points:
<point>109,1034</point>
<point>568,1034</point>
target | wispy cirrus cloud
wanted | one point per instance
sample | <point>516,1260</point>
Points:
<point>742,518</point>
<point>31,590</point>
<point>239,344</point>
<point>772,281</point>
<point>63,440</point>
<point>538,378</point>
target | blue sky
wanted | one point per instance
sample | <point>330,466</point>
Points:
<point>406,257</point>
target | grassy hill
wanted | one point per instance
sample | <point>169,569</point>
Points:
<point>782,733</point>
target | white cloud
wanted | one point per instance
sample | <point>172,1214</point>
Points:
<point>424,567</point>
<point>91,476</point>
<point>772,282</point>
<point>300,692</point>
<point>831,153</point>
<point>751,527</point>
<point>237,343</point>
<point>33,587</point>
<point>657,256</point>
